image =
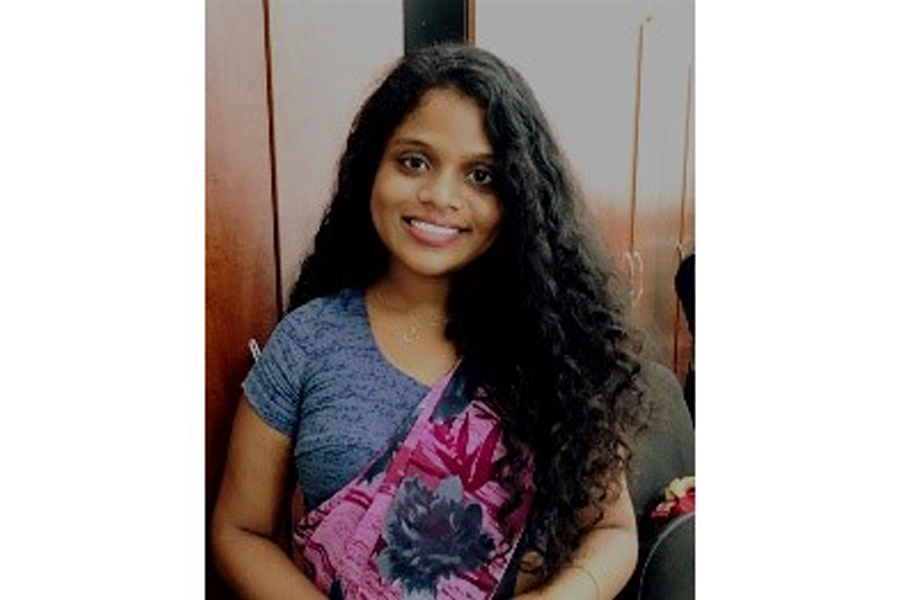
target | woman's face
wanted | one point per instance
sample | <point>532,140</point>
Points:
<point>433,201</point>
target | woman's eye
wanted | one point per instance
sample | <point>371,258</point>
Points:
<point>481,177</point>
<point>414,163</point>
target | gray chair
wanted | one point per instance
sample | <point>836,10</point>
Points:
<point>663,451</point>
<point>667,569</point>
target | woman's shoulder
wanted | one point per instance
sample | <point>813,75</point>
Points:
<point>325,315</point>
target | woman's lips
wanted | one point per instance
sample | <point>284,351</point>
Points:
<point>431,234</point>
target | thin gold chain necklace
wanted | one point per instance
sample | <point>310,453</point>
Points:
<point>413,331</point>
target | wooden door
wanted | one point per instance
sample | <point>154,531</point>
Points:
<point>614,79</point>
<point>283,82</point>
<point>663,201</point>
<point>326,59</point>
<point>241,295</point>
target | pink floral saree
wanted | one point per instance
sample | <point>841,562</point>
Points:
<point>421,521</point>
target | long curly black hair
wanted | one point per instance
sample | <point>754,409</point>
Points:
<point>539,313</point>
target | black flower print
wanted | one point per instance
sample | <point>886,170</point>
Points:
<point>336,592</point>
<point>431,535</point>
<point>454,399</point>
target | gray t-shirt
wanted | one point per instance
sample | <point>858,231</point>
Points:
<point>322,381</point>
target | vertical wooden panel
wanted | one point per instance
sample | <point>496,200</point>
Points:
<point>668,46</point>
<point>326,58</point>
<point>240,251</point>
<point>470,22</point>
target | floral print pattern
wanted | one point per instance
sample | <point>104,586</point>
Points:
<point>431,535</point>
<point>421,522</point>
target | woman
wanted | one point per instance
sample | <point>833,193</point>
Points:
<point>453,382</point>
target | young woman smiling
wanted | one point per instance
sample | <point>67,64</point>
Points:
<point>453,386</point>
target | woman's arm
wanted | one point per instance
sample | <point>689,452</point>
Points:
<point>605,560</point>
<point>244,520</point>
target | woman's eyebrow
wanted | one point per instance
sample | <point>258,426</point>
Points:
<point>418,143</point>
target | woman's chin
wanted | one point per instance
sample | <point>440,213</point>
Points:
<point>431,267</point>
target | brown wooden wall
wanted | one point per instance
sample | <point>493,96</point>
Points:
<point>616,80</point>
<point>663,197</point>
<point>325,58</point>
<point>241,291</point>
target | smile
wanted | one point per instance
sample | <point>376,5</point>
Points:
<point>432,234</point>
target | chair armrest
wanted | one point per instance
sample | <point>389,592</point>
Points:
<point>666,569</point>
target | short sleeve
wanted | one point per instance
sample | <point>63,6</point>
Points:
<point>274,386</point>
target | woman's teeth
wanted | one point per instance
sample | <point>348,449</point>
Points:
<point>432,228</point>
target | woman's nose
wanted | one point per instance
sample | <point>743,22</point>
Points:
<point>441,191</point>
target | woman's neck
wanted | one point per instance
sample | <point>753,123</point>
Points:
<point>408,291</point>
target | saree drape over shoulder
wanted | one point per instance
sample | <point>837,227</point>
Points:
<point>421,520</point>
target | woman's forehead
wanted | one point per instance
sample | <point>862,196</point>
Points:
<point>446,117</point>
